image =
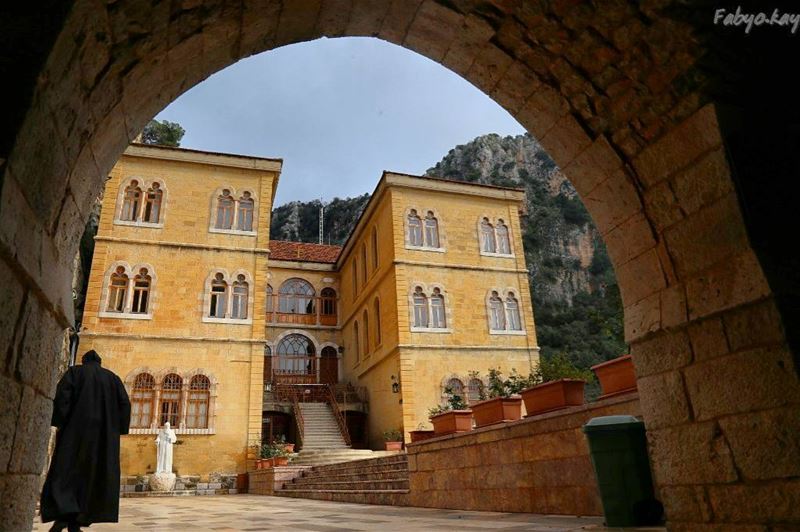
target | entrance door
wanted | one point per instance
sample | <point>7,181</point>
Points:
<point>329,366</point>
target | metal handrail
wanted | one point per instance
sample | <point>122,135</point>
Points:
<point>298,417</point>
<point>338,415</point>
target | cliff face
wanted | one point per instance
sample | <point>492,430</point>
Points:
<point>576,300</point>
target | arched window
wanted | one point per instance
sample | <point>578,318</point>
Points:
<point>414,229</point>
<point>245,221</point>
<point>355,279</point>
<point>239,298</point>
<point>267,373</point>
<point>420,308</point>
<point>152,204</point>
<point>497,317</point>
<point>197,402</point>
<point>328,307</point>
<point>141,292</point>
<point>171,400</point>
<point>503,242</point>
<point>117,290</point>
<point>131,202</point>
<point>295,354</point>
<point>270,303</point>
<point>364,263</point>
<point>219,297</point>
<point>438,318</point>
<point>225,208</point>
<point>454,387</point>
<point>377,322</point>
<point>365,318</point>
<point>488,243</point>
<point>374,248</point>
<point>142,399</point>
<point>296,297</point>
<point>356,342</point>
<point>512,310</point>
<point>431,231</point>
<point>474,390</point>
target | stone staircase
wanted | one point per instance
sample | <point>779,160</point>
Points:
<point>320,429</point>
<point>373,481</point>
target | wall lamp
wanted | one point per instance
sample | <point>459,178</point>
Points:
<point>395,385</point>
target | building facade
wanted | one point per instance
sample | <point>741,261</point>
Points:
<point>220,331</point>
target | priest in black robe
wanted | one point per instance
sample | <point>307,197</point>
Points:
<point>90,411</point>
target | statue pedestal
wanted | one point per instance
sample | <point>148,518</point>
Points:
<point>162,481</point>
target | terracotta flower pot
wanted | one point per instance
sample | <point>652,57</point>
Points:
<point>260,463</point>
<point>452,421</point>
<point>553,395</point>
<point>616,376</point>
<point>267,463</point>
<point>281,460</point>
<point>497,410</point>
<point>288,447</point>
<point>421,435</point>
<point>394,445</point>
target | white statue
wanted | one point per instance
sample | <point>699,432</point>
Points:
<point>164,441</point>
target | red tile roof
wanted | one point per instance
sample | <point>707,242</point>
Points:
<point>303,252</point>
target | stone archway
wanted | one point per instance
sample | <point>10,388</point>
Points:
<point>612,94</point>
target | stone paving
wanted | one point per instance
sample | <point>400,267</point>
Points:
<point>255,512</point>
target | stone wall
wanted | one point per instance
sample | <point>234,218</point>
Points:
<point>539,464</point>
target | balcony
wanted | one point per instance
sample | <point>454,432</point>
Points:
<point>302,310</point>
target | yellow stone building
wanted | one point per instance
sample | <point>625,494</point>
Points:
<point>220,331</point>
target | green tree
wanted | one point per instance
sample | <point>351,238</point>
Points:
<point>164,133</point>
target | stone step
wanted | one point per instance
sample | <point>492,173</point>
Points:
<point>383,497</point>
<point>355,485</point>
<point>399,458</point>
<point>382,473</point>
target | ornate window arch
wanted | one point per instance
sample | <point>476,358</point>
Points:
<point>184,398</point>
<point>475,389</point>
<point>455,385</point>
<point>295,354</point>
<point>494,237</point>
<point>431,224</point>
<point>141,202</point>
<point>228,297</point>
<point>328,307</point>
<point>504,311</point>
<point>428,308</point>
<point>128,291</point>
<point>234,212</point>
<point>414,229</point>
<point>365,320</point>
<point>356,342</point>
<point>364,265</point>
<point>374,247</point>
<point>142,401</point>
<point>296,296</point>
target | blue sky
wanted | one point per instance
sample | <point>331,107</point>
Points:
<point>338,112</point>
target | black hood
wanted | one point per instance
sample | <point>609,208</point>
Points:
<point>91,357</point>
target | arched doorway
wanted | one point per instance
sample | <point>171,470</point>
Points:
<point>329,366</point>
<point>619,96</point>
<point>295,360</point>
<point>276,425</point>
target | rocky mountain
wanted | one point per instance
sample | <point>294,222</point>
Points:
<point>576,299</point>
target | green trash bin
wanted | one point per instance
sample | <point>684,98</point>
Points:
<point>618,449</point>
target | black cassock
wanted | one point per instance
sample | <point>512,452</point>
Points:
<point>91,410</point>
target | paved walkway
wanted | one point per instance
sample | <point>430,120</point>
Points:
<point>254,512</point>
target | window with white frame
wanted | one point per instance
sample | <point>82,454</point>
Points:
<point>494,237</point>
<point>128,295</point>
<point>428,309</point>
<point>227,300</point>
<point>504,312</point>
<point>187,403</point>
<point>140,203</point>
<point>423,233</point>
<point>233,213</point>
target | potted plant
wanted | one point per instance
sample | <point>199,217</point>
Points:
<point>289,447</point>
<point>393,439</point>
<point>616,376</point>
<point>557,384</point>
<point>421,433</point>
<point>453,416</point>
<point>503,402</point>
<point>266,457</point>
<point>280,456</point>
